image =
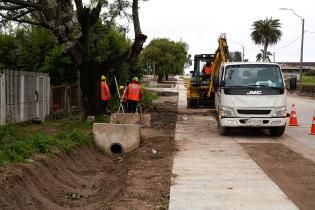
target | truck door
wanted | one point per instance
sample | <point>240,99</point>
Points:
<point>218,92</point>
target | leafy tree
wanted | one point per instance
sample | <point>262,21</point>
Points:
<point>32,46</point>
<point>169,56</point>
<point>236,56</point>
<point>7,45</point>
<point>259,56</point>
<point>60,67</point>
<point>72,23</point>
<point>266,33</point>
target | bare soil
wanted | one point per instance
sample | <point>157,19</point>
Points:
<point>294,174</point>
<point>88,179</point>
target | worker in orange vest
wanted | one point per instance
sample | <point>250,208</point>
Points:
<point>133,95</point>
<point>105,94</point>
<point>207,69</point>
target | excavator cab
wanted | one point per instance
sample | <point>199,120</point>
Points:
<point>199,62</point>
<point>200,88</point>
<point>199,83</point>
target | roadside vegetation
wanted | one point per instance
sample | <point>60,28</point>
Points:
<point>18,143</point>
<point>148,98</point>
<point>164,57</point>
<point>310,80</point>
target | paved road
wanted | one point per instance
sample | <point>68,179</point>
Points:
<point>305,109</point>
<point>214,172</point>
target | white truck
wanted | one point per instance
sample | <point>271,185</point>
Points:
<point>251,95</point>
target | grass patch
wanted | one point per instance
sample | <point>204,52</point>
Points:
<point>308,80</point>
<point>148,98</point>
<point>18,144</point>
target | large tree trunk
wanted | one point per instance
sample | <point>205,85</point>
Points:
<point>265,52</point>
<point>160,78</point>
<point>166,77</point>
<point>90,89</point>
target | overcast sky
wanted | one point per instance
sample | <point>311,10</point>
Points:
<point>200,22</point>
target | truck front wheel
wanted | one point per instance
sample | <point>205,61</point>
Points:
<point>222,130</point>
<point>277,131</point>
<point>191,103</point>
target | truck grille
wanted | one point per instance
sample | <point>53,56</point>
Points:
<point>254,112</point>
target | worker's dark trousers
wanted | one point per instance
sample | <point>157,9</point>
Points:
<point>104,106</point>
<point>132,106</point>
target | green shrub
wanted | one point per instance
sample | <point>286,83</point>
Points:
<point>7,133</point>
<point>147,98</point>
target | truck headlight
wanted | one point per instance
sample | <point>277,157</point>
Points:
<point>226,112</point>
<point>280,112</point>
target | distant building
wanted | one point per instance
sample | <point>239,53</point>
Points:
<point>293,68</point>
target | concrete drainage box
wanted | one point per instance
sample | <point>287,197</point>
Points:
<point>116,139</point>
<point>130,118</point>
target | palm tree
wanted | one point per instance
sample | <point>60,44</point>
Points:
<point>259,56</point>
<point>266,33</point>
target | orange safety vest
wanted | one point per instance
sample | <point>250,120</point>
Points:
<point>133,92</point>
<point>208,70</point>
<point>105,94</point>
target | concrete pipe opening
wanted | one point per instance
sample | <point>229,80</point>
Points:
<point>116,149</point>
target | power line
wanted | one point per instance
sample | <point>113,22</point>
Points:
<point>287,45</point>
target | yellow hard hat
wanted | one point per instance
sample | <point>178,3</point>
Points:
<point>103,77</point>
<point>121,87</point>
<point>135,79</point>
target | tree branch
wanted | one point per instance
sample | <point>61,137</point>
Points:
<point>58,12</point>
<point>135,16</point>
<point>11,8</point>
<point>22,14</point>
<point>79,5</point>
<point>95,14</point>
<point>23,3</point>
<point>27,21</point>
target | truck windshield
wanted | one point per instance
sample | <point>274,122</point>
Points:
<point>253,76</point>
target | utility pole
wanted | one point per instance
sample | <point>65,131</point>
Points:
<point>302,43</point>
<point>243,54</point>
<point>301,57</point>
<point>243,48</point>
<point>274,57</point>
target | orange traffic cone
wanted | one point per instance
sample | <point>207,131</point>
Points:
<point>313,125</point>
<point>293,120</point>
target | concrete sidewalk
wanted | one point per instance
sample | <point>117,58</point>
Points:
<point>214,172</point>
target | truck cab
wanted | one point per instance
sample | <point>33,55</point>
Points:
<point>251,95</point>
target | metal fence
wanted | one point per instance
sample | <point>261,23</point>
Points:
<point>23,96</point>
<point>66,99</point>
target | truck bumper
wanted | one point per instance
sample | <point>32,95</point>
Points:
<point>253,122</point>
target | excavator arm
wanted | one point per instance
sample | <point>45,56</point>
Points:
<point>221,55</point>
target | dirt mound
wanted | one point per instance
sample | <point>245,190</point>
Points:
<point>88,179</point>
